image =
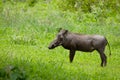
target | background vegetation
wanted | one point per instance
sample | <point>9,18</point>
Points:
<point>28,26</point>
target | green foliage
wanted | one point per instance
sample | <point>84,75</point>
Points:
<point>26,31</point>
<point>31,3</point>
<point>1,6</point>
<point>66,5</point>
<point>12,73</point>
<point>100,8</point>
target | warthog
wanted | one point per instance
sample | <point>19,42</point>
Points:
<point>81,42</point>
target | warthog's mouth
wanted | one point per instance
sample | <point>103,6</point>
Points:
<point>50,48</point>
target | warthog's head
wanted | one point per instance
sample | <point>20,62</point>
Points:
<point>59,39</point>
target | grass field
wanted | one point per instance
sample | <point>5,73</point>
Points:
<point>25,34</point>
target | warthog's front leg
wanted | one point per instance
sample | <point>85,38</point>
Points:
<point>71,55</point>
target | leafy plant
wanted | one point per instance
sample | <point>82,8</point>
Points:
<point>12,73</point>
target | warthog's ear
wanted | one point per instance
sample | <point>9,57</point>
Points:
<point>59,29</point>
<point>65,32</point>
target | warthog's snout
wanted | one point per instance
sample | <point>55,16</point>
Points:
<point>49,47</point>
<point>54,44</point>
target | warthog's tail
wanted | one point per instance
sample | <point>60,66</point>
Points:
<point>109,47</point>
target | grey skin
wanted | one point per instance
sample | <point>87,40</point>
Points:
<point>80,42</point>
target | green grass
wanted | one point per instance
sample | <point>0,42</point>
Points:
<point>25,36</point>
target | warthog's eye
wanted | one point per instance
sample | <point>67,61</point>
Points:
<point>60,37</point>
